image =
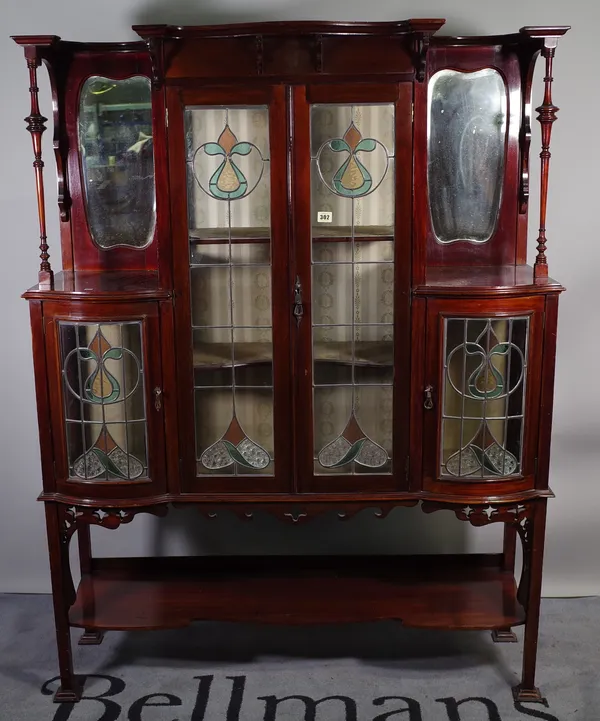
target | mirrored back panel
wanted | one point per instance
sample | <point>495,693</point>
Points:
<point>466,139</point>
<point>116,148</point>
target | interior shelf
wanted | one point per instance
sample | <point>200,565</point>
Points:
<point>328,233</point>
<point>367,353</point>
<point>445,591</point>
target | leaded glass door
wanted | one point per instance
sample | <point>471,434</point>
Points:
<point>481,394</point>
<point>229,212</point>
<point>352,153</point>
<point>107,399</point>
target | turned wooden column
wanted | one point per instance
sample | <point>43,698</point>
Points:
<point>547,116</point>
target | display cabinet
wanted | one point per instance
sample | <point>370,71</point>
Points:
<point>294,280</point>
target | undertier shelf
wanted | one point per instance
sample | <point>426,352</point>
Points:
<point>443,591</point>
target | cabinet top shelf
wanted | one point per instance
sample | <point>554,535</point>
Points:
<point>115,284</point>
<point>495,280</point>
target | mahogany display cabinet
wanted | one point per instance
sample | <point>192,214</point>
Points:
<point>294,280</point>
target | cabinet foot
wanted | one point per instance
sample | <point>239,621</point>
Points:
<point>504,635</point>
<point>91,638</point>
<point>528,695</point>
<point>71,694</point>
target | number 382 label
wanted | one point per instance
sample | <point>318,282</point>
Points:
<point>324,216</point>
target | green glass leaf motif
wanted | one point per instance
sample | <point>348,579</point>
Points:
<point>214,149</point>
<point>262,457</point>
<point>337,145</point>
<point>241,149</point>
<point>87,354</point>
<point>228,182</point>
<point>113,354</point>
<point>368,145</point>
<point>353,451</point>
<point>106,461</point>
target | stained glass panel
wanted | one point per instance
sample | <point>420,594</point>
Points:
<point>230,279</point>
<point>483,397</point>
<point>117,160</point>
<point>104,400</point>
<point>352,209</point>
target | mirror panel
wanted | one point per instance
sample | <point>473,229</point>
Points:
<point>117,160</point>
<point>467,126</point>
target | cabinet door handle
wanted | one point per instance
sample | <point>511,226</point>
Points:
<point>428,403</point>
<point>158,398</point>
<point>298,305</point>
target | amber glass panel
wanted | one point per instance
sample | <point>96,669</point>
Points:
<point>117,160</point>
<point>483,397</point>
<point>466,148</point>
<point>104,401</point>
<point>352,210</point>
<point>230,278</point>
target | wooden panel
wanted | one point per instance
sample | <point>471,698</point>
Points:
<point>212,58</point>
<point>288,56</point>
<point>365,55</point>
<point>466,592</point>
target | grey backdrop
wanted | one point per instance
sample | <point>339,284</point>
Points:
<point>572,561</point>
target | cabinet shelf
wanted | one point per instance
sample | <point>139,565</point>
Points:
<point>329,234</point>
<point>445,591</point>
<point>218,355</point>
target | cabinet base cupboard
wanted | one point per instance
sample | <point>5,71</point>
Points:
<point>294,281</point>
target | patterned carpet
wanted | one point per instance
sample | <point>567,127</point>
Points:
<point>368,672</point>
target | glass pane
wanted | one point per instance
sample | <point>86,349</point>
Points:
<point>353,429</point>
<point>230,254</point>
<point>483,403</point>
<point>352,209</point>
<point>104,400</point>
<point>362,356</point>
<point>466,145</point>
<point>117,160</point>
<point>352,293</point>
<point>222,253</point>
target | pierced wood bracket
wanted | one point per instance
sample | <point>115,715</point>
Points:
<point>110,518</point>
<point>420,48</point>
<point>318,45</point>
<point>155,50</point>
<point>520,515</point>
<point>259,46</point>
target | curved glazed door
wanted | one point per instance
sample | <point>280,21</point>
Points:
<point>228,169</point>
<point>481,395</point>
<point>107,399</point>
<point>352,223</point>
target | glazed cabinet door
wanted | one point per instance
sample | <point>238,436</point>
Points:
<point>228,174</point>
<point>352,164</point>
<point>107,399</point>
<point>481,395</point>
